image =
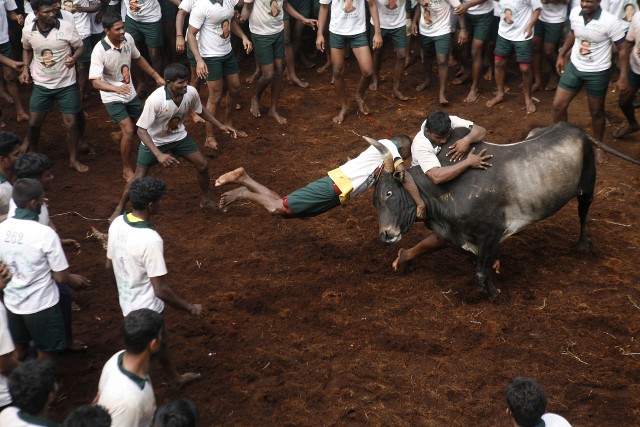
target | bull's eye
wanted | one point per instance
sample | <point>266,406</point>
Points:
<point>389,194</point>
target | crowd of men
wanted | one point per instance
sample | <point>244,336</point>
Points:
<point>113,44</point>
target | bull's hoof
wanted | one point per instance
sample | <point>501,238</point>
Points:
<point>583,245</point>
<point>489,290</point>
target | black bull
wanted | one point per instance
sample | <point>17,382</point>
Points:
<point>529,181</point>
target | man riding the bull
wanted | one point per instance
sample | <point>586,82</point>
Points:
<point>335,189</point>
<point>434,133</point>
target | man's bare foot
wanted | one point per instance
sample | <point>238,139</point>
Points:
<point>362,106</point>
<point>86,149</point>
<point>296,81</point>
<point>208,204</point>
<point>536,87</point>
<point>22,117</point>
<point>196,118</point>
<point>400,260</point>
<point>627,130</point>
<point>601,156</point>
<point>238,106</point>
<point>255,106</point>
<point>488,75</point>
<point>253,77</point>
<point>306,62</point>
<point>472,97</point>
<point>127,173</point>
<point>397,94</point>
<point>497,100</point>
<point>340,117</point>
<point>186,378</point>
<point>210,142</point>
<point>235,175</point>
<point>324,68</point>
<point>442,100</point>
<point>116,137</point>
<point>281,120</point>
<point>530,106</point>
<point>422,86</point>
<point>231,196</point>
<point>462,79</point>
<point>78,166</point>
<point>374,84</point>
<point>552,84</point>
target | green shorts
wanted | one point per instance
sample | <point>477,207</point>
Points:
<point>633,79</point>
<point>185,146</point>
<point>168,10</point>
<point>479,26</point>
<point>313,199</point>
<point>68,99</point>
<point>268,48</point>
<point>190,57</point>
<point>118,111</point>
<point>116,8</point>
<point>397,36</point>
<point>493,34</point>
<point>549,33</point>
<point>438,44</point>
<point>340,42</point>
<point>45,328</point>
<point>523,49</point>
<point>85,58</point>
<point>596,82</point>
<point>5,49</point>
<point>148,32</point>
<point>219,66</point>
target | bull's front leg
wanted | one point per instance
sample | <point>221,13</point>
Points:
<point>487,252</point>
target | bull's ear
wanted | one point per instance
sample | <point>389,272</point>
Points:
<point>398,176</point>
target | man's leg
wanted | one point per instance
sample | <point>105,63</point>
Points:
<point>432,243</point>
<point>119,210</point>
<point>536,63</point>
<point>249,190</point>
<point>267,71</point>
<point>525,70</point>
<point>167,364</point>
<point>36,120</point>
<point>127,128</point>
<point>550,53</point>
<point>596,107</point>
<point>365,61</point>
<point>561,101</point>
<point>398,69</point>
<point>73,136</point>
<point>476,69</point>
<point>377,65</point>
<point>233,95</point>
<point>443,72</point>
<point>500,64</point>
<point>276,90</point>
<point>202,176</point>
<point>337,62</point>
<point>625,102</point>
<point>11,79</point>
<point>215,95</point>
<point>290,57</point>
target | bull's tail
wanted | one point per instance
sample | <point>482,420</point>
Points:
<point>613,151</point>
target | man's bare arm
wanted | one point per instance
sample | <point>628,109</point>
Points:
<point>448,173</point>
<point>412,188</point>
<point>163,291</point>
<point>459,148</point>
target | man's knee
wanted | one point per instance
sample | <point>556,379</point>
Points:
<point>338,72</point>
<point>201,165</point>
<point>70,121</point>
<point>524,67</point>
<point>401,54</point>
<point>127,127</point>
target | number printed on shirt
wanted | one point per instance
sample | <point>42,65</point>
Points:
<point>13,237</point>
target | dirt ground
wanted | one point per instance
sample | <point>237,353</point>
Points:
<point>305,322</point>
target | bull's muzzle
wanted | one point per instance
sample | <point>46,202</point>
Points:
<point>390,236</point>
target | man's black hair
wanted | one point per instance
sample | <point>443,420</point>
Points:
<point>26,190</point>
<point>31,165</point>
<point>8,143</point>
<point>439,123</point>
<point>527,401</point>
<point>175,71</point>
<point>139,328</point>
<point>110,19</point>
<point>30,384</point>
<point>88,416</point>
<point>37,4</point>
<point>145,190</point>
<point>405,145</point>
<point>179,413</point>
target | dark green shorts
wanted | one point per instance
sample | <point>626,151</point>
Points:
<point>190,57</point>
<point>118,111</point>
<point>549,33</point>
<point>85,58</point>
<point>493,34</point>
<point>596,82</point>
<point>116,8</point>
<point>68,99</point>
<point>268,48</point>
<point>479,26</point>
<point>148,32</point>
<point>523,49</point>
<point>168,10</point>
<point>5,49</point>
<point>397,36</point>
<point>438,44</point>
<point>313,199</point>
<point>220,66</point>
<point>633,79</point>
<point>45,328</point>
<point>181,148</point>
<point>340,42</point>
<point>303,7</point>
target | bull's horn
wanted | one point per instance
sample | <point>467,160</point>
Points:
<point>384,151</point>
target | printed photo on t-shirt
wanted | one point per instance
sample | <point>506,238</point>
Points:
<point>348,6</point>
<point>133,6</point>
<point>508,17</point>
<point>273,7</point>
<point>47,58</point>
<point>585,50</point>
<point>173,124</point>
<point>628,10</point>
<point>426,14</point>
<point>125,73</point>
<point>68,5</point>
<point>225,29</point>
<point>391,4</point>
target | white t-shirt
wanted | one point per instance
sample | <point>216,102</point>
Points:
<point>128,398</point>
<point>435,17</point>
<point>32,251</point>
<point>364,169</point>
<point>6,347</point>
<point>348,17</point>
<point>136,254</point>
<point>113,66</point>
<point>634,37</point>
<point>50,53</point>
<point>5,195</point>
<point>213,22</point>
<point>553,420</point>
<point>515,15</point>
<point>591,50</point>
<point>163,119</point>
<point>80,18</point>
<point>143,10</point>
<point>424,153</point>
<point>553,13</point>
<point>392,14</point>
<point>43,217</point>
<point>480,9</point>
<point>187,5</point>
<point>623,9</point>
<point>266,17</point>
<point>5,6</point>
<point>14,417</point>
